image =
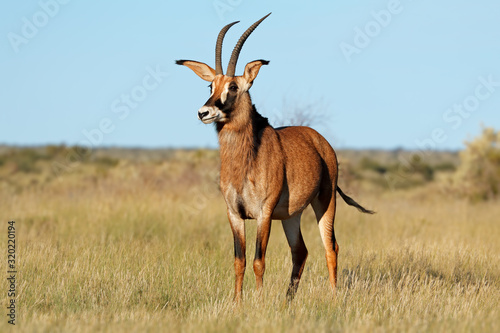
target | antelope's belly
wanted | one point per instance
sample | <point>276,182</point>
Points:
<point>251,203</point>
<point>291,205</point>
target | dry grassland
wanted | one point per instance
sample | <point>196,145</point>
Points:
<point>146,246</point>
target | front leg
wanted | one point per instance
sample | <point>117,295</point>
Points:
<point>238,228</point>
<point>259,264</point>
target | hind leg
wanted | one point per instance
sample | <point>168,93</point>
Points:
<point>324,208</point>
<point>299,252</point>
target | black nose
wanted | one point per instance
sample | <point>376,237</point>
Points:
<point>202,115</point>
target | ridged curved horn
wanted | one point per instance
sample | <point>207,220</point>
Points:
<point>231,68</point>
<point>218,48</point>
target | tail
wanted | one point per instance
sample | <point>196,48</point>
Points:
<point>351,202</point>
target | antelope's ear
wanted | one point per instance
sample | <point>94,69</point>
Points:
<point>204,71</point>
<point>252,69</point>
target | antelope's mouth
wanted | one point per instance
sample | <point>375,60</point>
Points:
<point>209,120</point>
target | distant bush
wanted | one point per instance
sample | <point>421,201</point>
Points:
<point>24,160</point>
<point>445,167</point>
<point>424,169</point>
<point>54,151</point>
<point>406,172</point>
<point>367,163</point>
<point>478,175</point>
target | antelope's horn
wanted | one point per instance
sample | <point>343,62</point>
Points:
<point>218,48</point>
<point>231,68</point>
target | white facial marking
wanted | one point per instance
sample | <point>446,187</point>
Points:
<point>243,84</point>
<point>223,96</point>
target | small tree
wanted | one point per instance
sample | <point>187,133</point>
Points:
<point>310,113</point>
<point>478,176</point>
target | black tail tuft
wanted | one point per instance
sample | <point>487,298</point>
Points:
<point>351,202</point>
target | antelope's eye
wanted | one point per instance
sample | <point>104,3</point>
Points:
<point>233,88</point>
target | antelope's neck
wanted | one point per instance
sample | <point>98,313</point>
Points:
<point>239,142</point>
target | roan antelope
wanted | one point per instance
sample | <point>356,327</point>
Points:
<point>266,173</point>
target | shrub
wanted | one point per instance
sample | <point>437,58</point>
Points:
<point>418,166</point>
<point>367,163</point>
<point>25,159</point>
<point>478,175</point>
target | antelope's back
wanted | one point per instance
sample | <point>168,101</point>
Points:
<point>303,145</point>
<point>310,162</point>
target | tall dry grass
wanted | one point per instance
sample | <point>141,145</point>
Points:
<point>147,247</point>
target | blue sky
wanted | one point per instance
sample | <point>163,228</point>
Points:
<point>413,74</point>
